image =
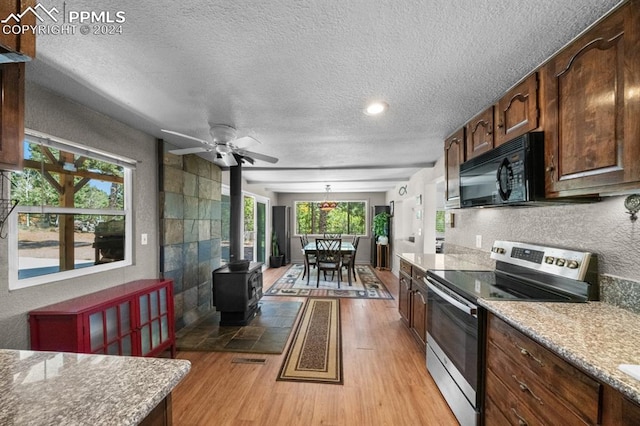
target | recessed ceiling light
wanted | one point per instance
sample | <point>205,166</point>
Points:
<point>376,108</point>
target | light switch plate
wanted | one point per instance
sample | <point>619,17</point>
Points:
<point>143,239</point>
<point>479,241</point>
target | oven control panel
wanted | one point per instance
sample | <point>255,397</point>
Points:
<point>557,261</point>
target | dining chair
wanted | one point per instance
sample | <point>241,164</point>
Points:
<point>349,260</point>
<point>328,257</point>
<point>328,235</point>
<point>309,258</point>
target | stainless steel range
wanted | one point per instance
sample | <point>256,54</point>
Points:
<point>455,325</point>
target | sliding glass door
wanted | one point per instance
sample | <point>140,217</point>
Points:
<point>254,219</point>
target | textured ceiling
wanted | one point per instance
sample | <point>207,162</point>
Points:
<point>297,74</point>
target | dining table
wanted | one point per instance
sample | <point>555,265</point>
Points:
<point>345,247</point>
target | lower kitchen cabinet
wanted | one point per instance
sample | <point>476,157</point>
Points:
<point>136,318</point>
<point>404,295</point>
<point>412,301</point>
<point>528,384</point>
<point>618,409</point>
<point>419,307</point>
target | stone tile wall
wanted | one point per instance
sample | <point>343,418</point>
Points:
<point>190,231</point>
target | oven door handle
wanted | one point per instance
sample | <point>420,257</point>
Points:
<point>472,311</point>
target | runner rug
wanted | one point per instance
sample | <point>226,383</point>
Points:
<point>267,333</point>
<point>366,284</point>
<point>315,354</point>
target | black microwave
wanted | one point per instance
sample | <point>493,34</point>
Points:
<point>510,174</point>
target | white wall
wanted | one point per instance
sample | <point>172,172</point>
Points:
<point>60,117</point>
<point>425,183</point>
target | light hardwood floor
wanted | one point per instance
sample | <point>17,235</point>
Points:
<point>385,378</point>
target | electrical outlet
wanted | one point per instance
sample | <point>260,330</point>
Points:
<point>478,241</point>
<point>143,239</point>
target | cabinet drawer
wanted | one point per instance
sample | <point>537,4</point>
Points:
<point>574,388</point>
<point>503,408</point>
<point>531,392</point>
<point>418,275</point>
<point>405,267</point>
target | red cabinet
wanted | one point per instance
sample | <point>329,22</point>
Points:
<point>135,318</point>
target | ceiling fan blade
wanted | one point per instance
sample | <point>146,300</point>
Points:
<point>225,159</point>
<point>182,135</point>
<point>188,150</point>
<point>257,156</point>
<point>244,142</point>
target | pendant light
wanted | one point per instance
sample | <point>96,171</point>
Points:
<point>327,205</point>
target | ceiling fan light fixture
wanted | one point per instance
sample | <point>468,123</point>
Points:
<point>223,148</point>
<point>376,108</point>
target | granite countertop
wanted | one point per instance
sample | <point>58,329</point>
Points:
<point>426,261</point>
<point>54,388</point>
<point>595,336</point>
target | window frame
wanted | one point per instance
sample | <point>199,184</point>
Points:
<point>128,166</point>
<point>366,216</point>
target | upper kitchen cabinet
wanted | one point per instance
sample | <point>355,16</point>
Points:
<point>18,47</point>
<point>592,109</point>
<point>11,115</point>
<point>454,149</point>
<point>516,113</point>
<point>480,133</point>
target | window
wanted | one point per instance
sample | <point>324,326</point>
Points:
<point>73,217</point>
<point>254,227</point>
<point>347,218</point>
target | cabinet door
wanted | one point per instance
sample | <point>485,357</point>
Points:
<point>592,135</point>
<point>480,133</point>
<point>24,43</point>
<point>154,325</point>
<point>11,116</point>
<point>110,330</point>
<point>404,300</point>
<point>618,410</point>
<point>454,147</point>
<point>517,111</point>
<point>419,313</point>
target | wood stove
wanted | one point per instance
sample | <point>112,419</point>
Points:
<point>236,293</point>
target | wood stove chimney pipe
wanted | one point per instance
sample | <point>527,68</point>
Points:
<point>235,207</point>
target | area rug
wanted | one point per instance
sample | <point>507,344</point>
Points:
<point>267,333</point>
<point>315,354</point>
<point>366,284</point>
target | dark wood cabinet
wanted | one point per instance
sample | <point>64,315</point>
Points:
<point>412,301</point>
<point>618,410</point>
<point>11,115</point>
<point>592,109</point>
<point>526,382</point>
<point>22,46</point>
<point>517,113</point>
<point>480,133</point>
<point>454,155</point>
<point>419,307</point>
<point>136,318</point>
<point>404,292</point>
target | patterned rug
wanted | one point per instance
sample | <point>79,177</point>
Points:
<point>267,333</point>
<point>367,285</point>
<point>315,354</point>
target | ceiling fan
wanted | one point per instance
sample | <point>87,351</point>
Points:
<point>224,146</point>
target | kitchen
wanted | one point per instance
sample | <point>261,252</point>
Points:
<point>603,227</point>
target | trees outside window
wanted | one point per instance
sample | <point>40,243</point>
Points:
<point>71,214</point>
<point>347,218</point>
